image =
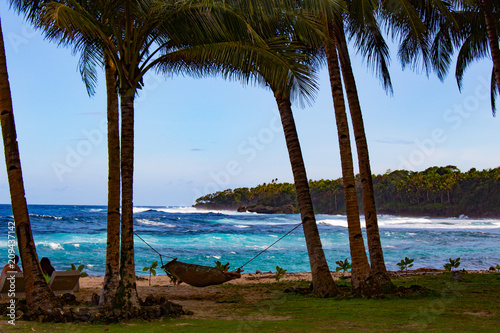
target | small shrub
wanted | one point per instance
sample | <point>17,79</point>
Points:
<point>405,263</point>
<point>452,264</point>
<point>280,272</point>
<point>79,268</point>
<point>498,268</point>
<point>151,269</point>
<point>343,266</point>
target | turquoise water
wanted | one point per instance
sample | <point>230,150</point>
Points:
<point>77,234</point>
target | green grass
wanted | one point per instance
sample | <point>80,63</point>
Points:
<point>449,306</point>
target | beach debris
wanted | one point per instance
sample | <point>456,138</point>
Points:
<point>456,276</point>
<point>94,301</point>
<point>300,290</point>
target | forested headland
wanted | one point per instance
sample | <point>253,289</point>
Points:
<point>436,191</point>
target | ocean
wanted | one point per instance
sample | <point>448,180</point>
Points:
<point>77,234</point>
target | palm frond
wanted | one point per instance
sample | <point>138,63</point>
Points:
<point>90,58</point>
<point>275,67</point>
<point>370,43</point>
<point>493,93</point>
<point>403,21</point>
<point>472,50</point>
<point>441,53</point>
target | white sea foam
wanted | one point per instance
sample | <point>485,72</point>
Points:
<point>155,223</point>
<point>46,216</point>
<point>177,210</point>
<point>52,245</point>
<point>136,210</point>
<point>241,226</point>
<point>333,223</point>
<point>96,210</point>
<point>392,222</point>
<point>386,221</point>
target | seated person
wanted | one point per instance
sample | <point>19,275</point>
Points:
<point>47,268</point>
<point>11,267</point>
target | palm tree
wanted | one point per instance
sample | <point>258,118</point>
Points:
<point>370,211</point>
<point>362,282</point>
<point>88,61</point>
<point>38,293</point>
<point>322,280</point>
<point>137,36</point>
<point>370,42</point>
<point>333,43</point>
<point>279,66</point>
<point>362,23</point>
<point>112,272</point>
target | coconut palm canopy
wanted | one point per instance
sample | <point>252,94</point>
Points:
<point>389,150</point>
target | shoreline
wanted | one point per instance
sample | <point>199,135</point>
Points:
<point>91,282</point>
<point>380,212</point>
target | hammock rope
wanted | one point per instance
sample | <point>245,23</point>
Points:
<point>267,248</point>
<point>152,248</point>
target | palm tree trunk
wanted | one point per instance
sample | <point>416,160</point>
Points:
<point>126,295</point>
<point>492,37</point>
<point>112,273</point>
<point>361,274</point>
<point>38,293</point>
<point>322,279</point>
<point>373,235</point>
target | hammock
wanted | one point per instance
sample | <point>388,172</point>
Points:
<point>198,275</point>
<point>195,275</point>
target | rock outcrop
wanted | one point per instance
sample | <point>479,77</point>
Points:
<point>263,209</point>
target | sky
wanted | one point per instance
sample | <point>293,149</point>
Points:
<point>198,136</point>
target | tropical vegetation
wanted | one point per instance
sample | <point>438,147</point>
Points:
<point>280,45</point>
<point>436,191</point>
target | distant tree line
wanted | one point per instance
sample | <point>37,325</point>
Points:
<point>436,191</point>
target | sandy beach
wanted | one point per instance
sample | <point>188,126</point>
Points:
<point>207,302</point>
